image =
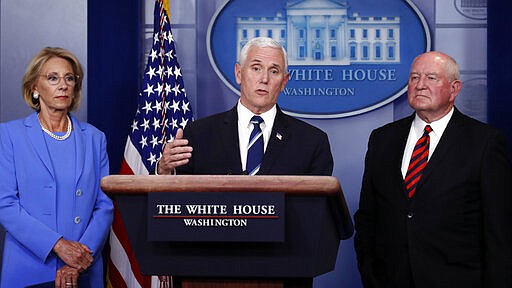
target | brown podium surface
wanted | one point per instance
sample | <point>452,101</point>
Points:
<point>141,184</point>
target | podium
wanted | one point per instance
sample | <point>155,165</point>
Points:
<point>316,219</point>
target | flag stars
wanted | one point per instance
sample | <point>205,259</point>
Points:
<point>184,107</point>
<point>159,88</point>
<point>160,71</point>
<point>156,124</point>
<point>158,106</point>
<point>176,90</point>
<point>134,125</point>
<point>147,107</point>
<point>164,19</point>
<point>145,125</point>
<point>155,38</point>
<point>174,123</point>
<point>169,71</point>
<point>152,158</point>
<point>177,71</point>
<point>143,142</point>
<point>166,123</point>
<point>167,89</point>
<point>166,106</point>
<point>183,123</point>
<point>169,55</point>
<point>154,141</point>
<point>151,72</point>
<point>175,106</point>
<point>149,89</point>
<point>153,55</point>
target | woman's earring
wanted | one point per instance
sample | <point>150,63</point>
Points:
<point>35,95</point>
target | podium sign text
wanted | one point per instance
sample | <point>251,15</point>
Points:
<point>216,217</point>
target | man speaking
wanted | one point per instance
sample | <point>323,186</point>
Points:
<point>255,136</point>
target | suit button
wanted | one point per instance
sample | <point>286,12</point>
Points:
<point>78,193</point>
<point>410,215</point>
<point>77,219</point>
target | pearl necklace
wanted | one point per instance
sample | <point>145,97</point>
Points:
<point>56,137</point>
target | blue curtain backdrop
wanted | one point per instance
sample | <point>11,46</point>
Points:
<point>114,51</point>
<point>499,73</point>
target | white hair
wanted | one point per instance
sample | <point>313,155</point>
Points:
<point>263,42</point>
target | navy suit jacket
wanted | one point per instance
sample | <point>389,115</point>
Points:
<point>294,148</point>
<point>457,229</point>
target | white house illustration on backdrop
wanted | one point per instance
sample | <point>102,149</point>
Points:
<point>320,32</point>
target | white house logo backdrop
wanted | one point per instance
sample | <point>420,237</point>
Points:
<point>345,57</point>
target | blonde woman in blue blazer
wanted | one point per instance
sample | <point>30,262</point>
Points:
<point>54,212</point>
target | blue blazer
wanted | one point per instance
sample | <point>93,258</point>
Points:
<point>28,208</point>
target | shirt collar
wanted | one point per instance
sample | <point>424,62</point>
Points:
<point>437,126</point>
<point>245,115</point>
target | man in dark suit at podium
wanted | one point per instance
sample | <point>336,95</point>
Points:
<point>219,144</point>
<point>435,208</point>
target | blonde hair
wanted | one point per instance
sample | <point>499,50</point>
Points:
<point>34,69</point>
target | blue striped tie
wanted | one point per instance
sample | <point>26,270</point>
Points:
<point>255,147</point>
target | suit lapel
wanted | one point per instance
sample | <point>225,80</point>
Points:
<point>80,148</point>
<point>450,135</point>
<point>229,136</point>
<point>36,137</point>
<point>398,154</point>
<point>276,143</point>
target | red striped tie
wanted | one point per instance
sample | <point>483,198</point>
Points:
<point>418,161</point>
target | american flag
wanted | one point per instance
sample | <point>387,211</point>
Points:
<point>163,104</point>
<point>163,108</point>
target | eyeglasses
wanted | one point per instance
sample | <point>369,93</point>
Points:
<point>54,78</point>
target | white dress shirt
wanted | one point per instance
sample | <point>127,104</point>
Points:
<point>245,128</point>
<point>416,132</point>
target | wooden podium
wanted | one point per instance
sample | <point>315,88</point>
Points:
<point>316,219</point>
